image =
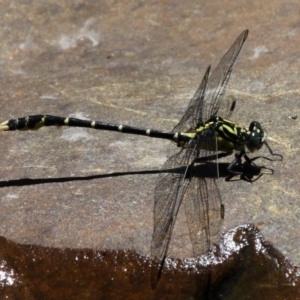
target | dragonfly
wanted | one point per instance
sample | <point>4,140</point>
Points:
<point>196,184</point>
<point>201,133</point>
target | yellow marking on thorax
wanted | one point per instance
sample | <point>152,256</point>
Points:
<point>224,138</point>
<point>206,126</point>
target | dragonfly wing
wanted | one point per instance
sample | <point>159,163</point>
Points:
<point>169,192</point>
<point>207,99</point>
<point>203,204</point>
<point>218,80</point>
<point>203,207</point>
<point>190,118</point>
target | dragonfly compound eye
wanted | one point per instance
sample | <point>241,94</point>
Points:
<point>256,137</point>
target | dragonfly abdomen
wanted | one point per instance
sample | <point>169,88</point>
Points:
<point>37,121</point>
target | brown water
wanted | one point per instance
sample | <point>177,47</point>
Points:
<point>243,266</point>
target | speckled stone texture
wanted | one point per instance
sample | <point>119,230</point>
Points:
<point>139,63</point>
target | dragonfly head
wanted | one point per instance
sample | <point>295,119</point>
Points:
<point>256,138</point>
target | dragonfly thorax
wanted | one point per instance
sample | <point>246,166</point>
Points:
<point>218,134</point>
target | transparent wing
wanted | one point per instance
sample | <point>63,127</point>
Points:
<point>169,192</point>
<point>207,99</point>
<point>218,80</point>
<point>203,206</point>
<point>188,121</point>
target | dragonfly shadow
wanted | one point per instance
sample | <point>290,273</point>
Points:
<point>248,170</point>
<point>203,169</point>
<point>34,181</point>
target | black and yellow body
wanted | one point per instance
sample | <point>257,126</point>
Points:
<point>215,134</point>
<point>224,135</point>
